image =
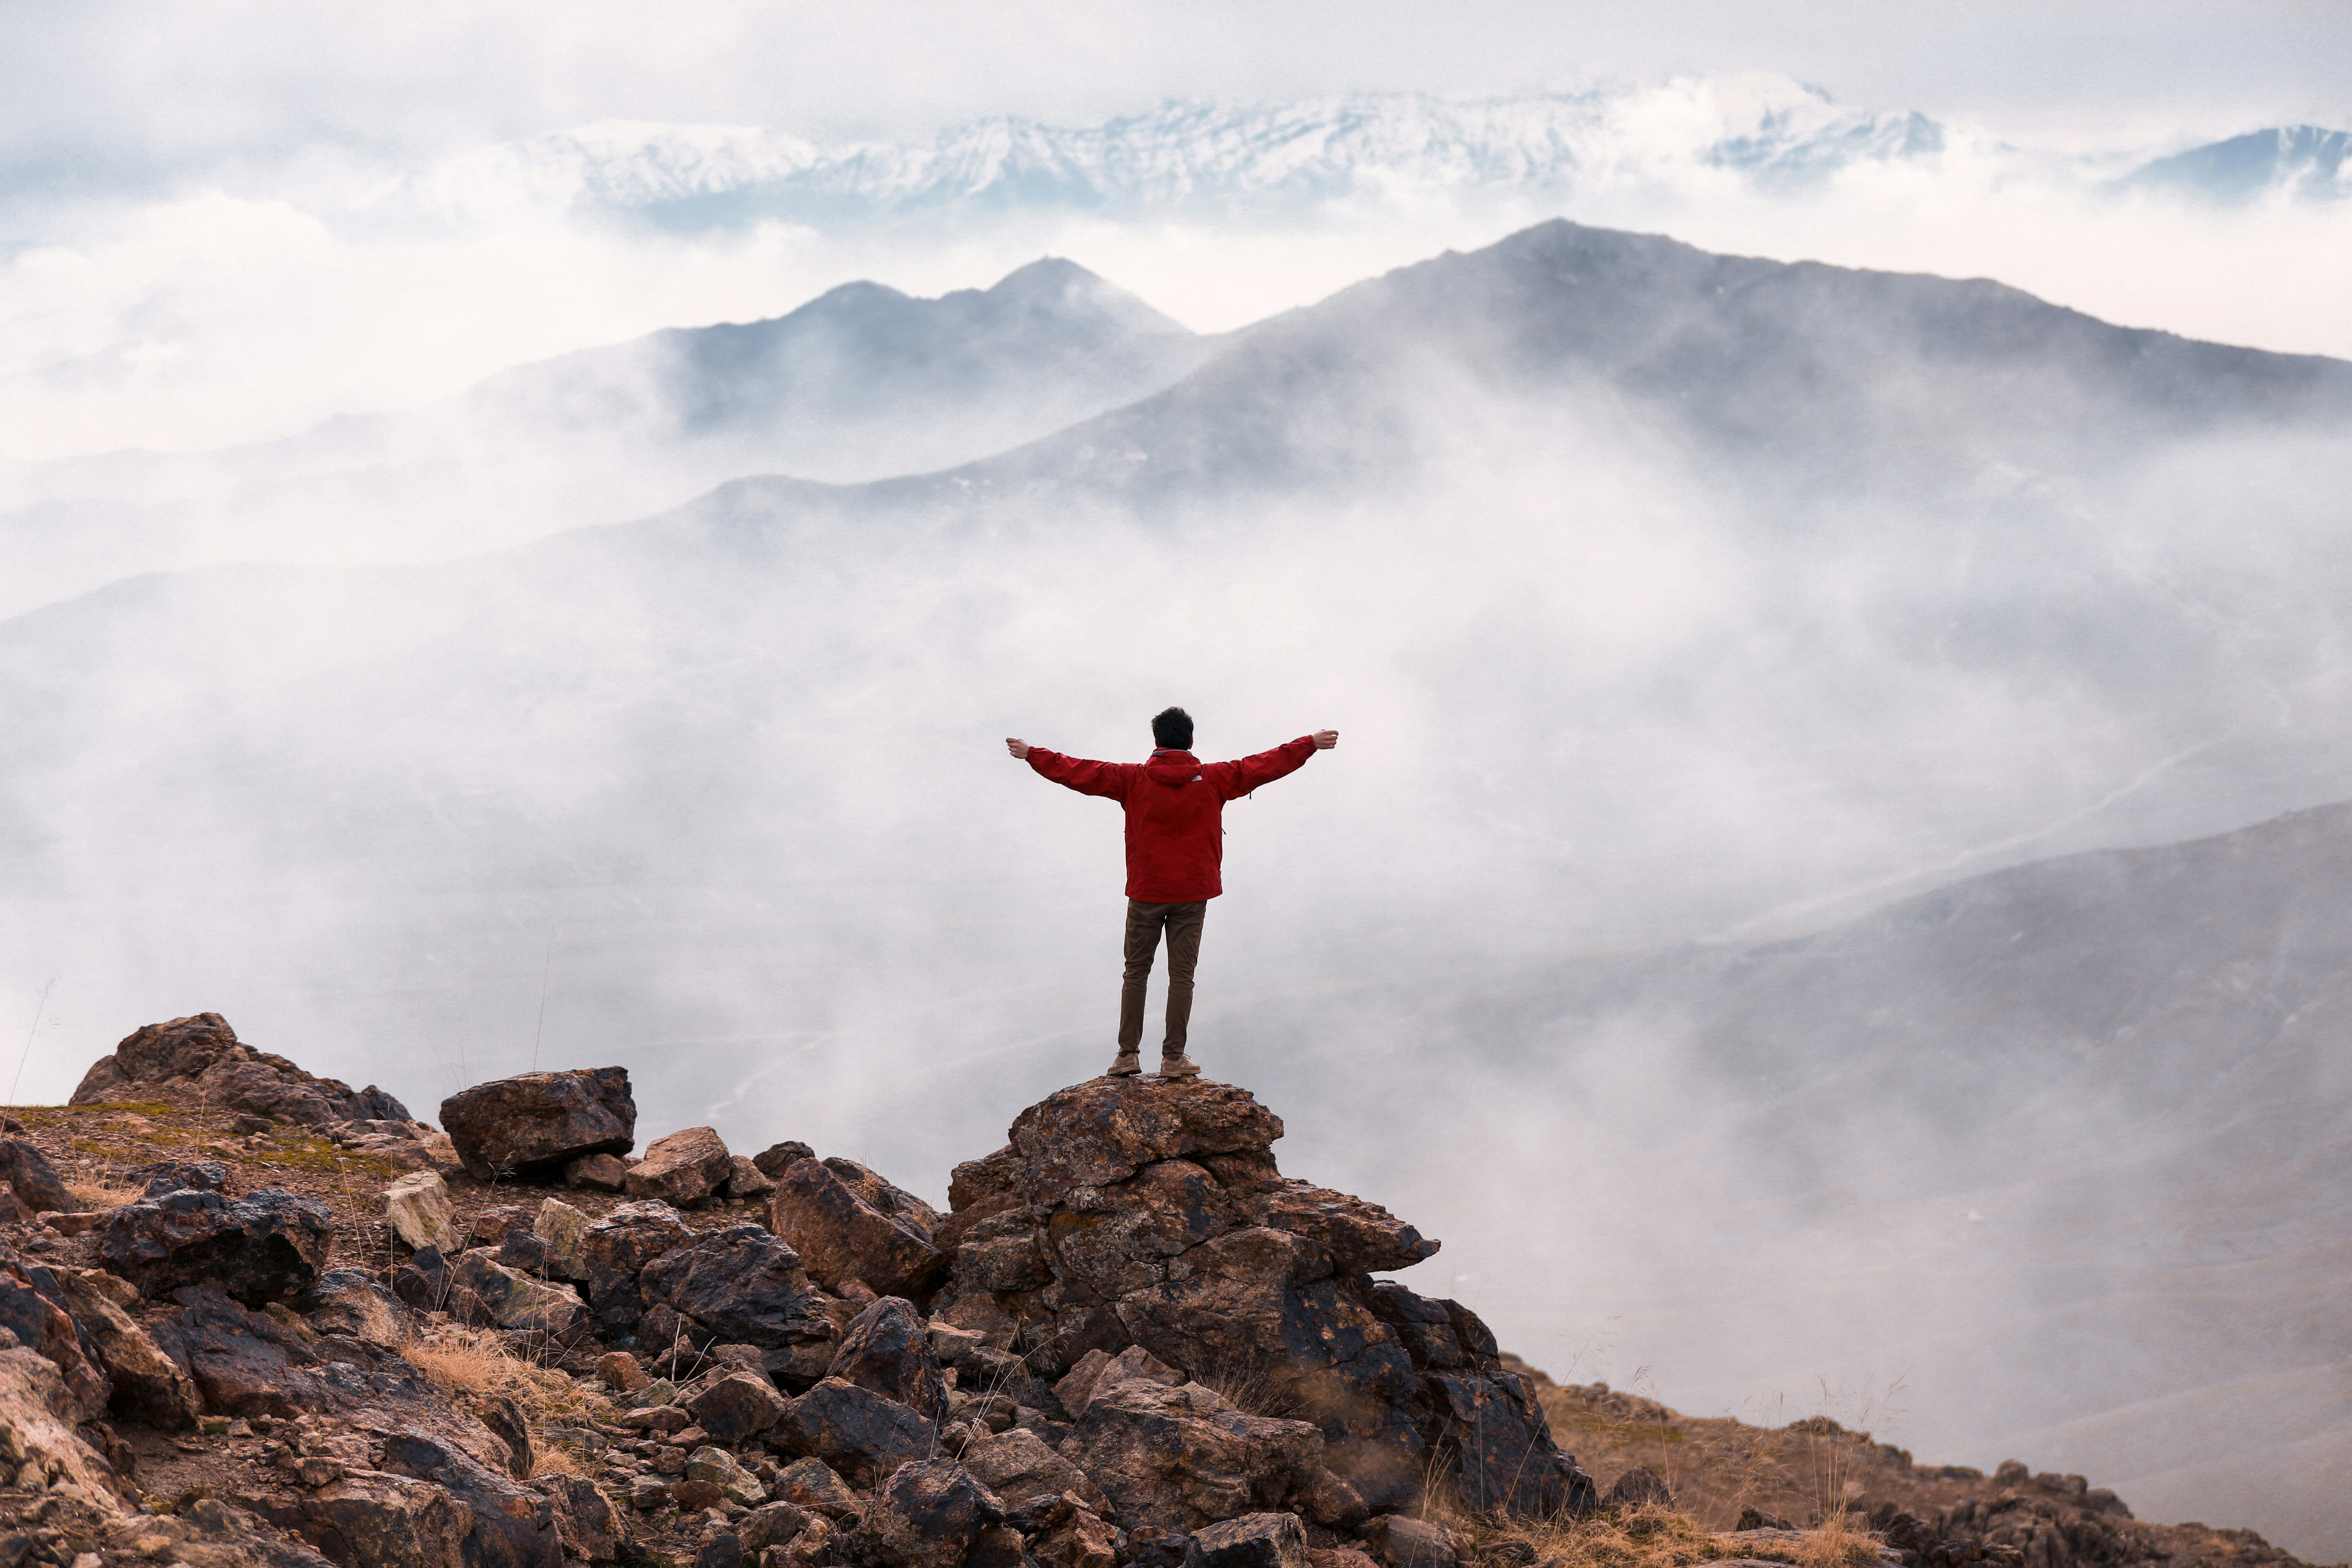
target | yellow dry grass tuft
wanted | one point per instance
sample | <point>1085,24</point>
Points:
<point>475,1361</point>
<point>1651,1535</point>
<point>88,1196</point>
<point>546,1459</point>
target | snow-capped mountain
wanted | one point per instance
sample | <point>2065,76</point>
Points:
<point>2305,162</point>
<point>1187,153</point>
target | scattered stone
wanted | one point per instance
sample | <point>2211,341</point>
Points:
<point>775,1525</point>
<point>886,1347</point>
<point>737,1406</point>
<point>543,1120</point>
<point>742,1285</point>
<point>1253,1540</point>
<point>600,1173</point>
<point>648,1492</point>
<point>776,1156</point>
<point>746,1180</point>
<point>418,1209</point>
<point>1638,1486</point>
<point>621,1373</point>
<point>261,1247</point>
<point>682,1169</point>
<point>815,1485</point>
<point>840,1236</point>
<point>28,1172</point>
<point>719,1467</point>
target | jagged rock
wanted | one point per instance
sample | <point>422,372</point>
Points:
<point>776,1156</point>
<point>1332,1502</point>
<point>1638,1486</point>
<point>523,1251</point>
<point>504,1417</point>
<point>718,1466</point>
<point>774,1525</point>
<point>349,1303</point>
<point>622,1373</point>
<point>746,1180</point>
<point>1065,1534</point>
<point>38,1416</point>
<point>171,1175</point>
<point>515,1300</point>
<point>1488,1426</point>
<point>1018,1467</point>
<point>144,1383</point>
<point>34,1314</point>
<point>815,1485</point>
<point>563,1231</point>
<point>657,1418</point>
<point>926,1515</point>
<point>741,1284</point>
<point>540,1120</point>
<point>585,1521</point>
<point>376,1520</point>
<point>418,1209</point>
<point>857,1431</point>
<point>1181,1458</point>
<point>492,1226</point>
<point>1402,1543</point>
<point>1253,1540</point>
<point>840,1235</point>
<point>28,1172</point>
<point>737,1406</point>
<point>724,1550</point>
<point>616,1248</point>
<point>199,1058</point>
<point>603,1172</point>
<point>1097,1369</point>
<point>682,1169</point>
<point>648,1492</point>
<point>886,1347</point>
<point>261,1247</point>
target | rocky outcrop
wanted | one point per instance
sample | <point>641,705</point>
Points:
<point>738,1285</point>
<point>29,1175</point>
<point>1140,1212</point>
<point>541,1121</point>
<point>200,1058</point>
<point>143,1383</point>
<point>887,1349</point>
<point>262,1247</point>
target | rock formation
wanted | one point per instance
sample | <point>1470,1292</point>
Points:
<point>200,1058</point>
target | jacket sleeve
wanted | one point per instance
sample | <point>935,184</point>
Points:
<point>1076,773</point>
<point>1237,779</point>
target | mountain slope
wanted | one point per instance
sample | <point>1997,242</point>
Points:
<point>860,381</point>
<point>2302,163</point>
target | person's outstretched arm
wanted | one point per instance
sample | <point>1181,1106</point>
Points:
<point>1074,773</point>
<point>1238,778</point>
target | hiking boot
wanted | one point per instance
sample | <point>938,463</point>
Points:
<point>1127,1064</point>
<point>1179,1065</point>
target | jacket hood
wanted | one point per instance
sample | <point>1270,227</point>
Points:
<point>1174,769</point>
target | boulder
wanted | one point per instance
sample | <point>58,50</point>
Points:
<point>1178,1459</point>
<point>1017,1466</point>
<point>26,1170</point>
<point>887,1347</point>
<point>741,1284</point>
<point>264,1246</point>
<point>380,1521</point>
<point>1331,1503</point>
<point>1638,1487</point>
<point>418,1209</point>
<point>737,1406</point>
<point>144,1383</point>
<point>776,1156</point>
<point>541,1121</point>
<point>1107,1130</point>
<point>513,1526</point>
<point>171,1175</point>
<point>602,1173</point>
<point>563,1231</point>
<point>616,1248</point>
<point>622,1372</point>
<point>199,1059</point>
<point>515,1300</point>
<point>855,1431</point>
<point>926,1515</point>
<point>682,1169</point>
<point>1489,1428</point>
<point>1065,1534</point>
<point>352,1303</point>
<point>585,1519</point>
<point>37,1416</point>
<point>492,1226</point>
<point>746,1180</point>
<point>840,1235</point>
<point>775,1525</point>
<point>1253,1540</point>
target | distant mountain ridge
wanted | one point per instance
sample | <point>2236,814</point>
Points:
<point>2298,163</point>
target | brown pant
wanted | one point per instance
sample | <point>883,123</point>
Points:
<point>1143,923</point>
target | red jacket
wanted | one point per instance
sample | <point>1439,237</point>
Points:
<point>1175,811</point>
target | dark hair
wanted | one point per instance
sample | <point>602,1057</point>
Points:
<point>1172,728</point>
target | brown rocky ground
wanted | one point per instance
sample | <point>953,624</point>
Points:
<point>1131,1343</point>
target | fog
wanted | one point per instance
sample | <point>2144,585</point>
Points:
<point>721,795</point>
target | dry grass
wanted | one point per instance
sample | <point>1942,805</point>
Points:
<point>475,1361</point>
<point>88,1196</point>
<point>547,1460</point>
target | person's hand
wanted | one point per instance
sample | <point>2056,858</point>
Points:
<point>1018,748</point>
<point>1326,739</point>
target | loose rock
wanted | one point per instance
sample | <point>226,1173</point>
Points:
<point>682,1169</point>
<point>27,1170</point>
<point>840,1236</point>
<point>887,1348</point>
<point>737,1406</point>
<point>262,1247</point>
<point>1253,1540</point>
<point>855,1430</point>
<point>543,1120</point>
<point>418,1209</point>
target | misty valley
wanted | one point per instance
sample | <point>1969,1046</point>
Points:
<point>1834,902</point>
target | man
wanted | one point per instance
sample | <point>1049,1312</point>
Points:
<point>1175,843</point>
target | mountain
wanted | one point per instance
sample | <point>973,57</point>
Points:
<point>861,381</point>
<point>1184,155</point>
<point>1657,596</point>
<point>2301,162</point>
